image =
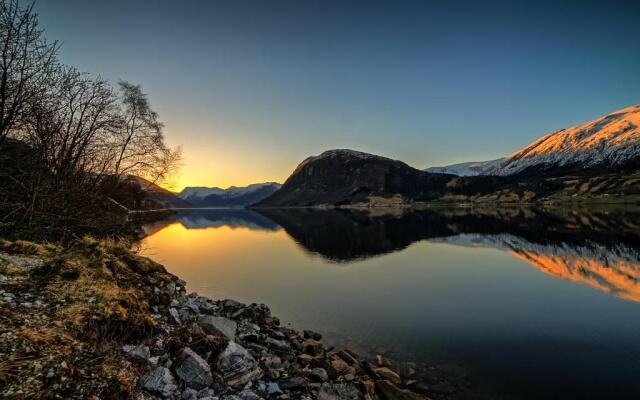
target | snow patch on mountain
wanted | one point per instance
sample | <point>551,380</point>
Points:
<point>472,168</point>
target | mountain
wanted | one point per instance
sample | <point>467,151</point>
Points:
<point>340,177</point>
<point>612,141</point>
<point>162,196</point>
<point>472,168</point>
<point>231,197</point>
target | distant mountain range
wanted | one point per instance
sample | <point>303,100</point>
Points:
<point>595,161</point>
<point>472,168</point>
<point>199,196</point>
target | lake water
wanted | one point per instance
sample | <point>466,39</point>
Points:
<point>509,303</point>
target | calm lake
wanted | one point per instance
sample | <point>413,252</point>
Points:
<point>509,303</point>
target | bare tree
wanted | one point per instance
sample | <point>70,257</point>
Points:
<point>27,63</point>
<point>139,140</point>
<point>70,130</point>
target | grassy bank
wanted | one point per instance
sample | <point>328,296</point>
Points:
<point>66,313</point>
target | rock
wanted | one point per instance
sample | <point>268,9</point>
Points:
<point>207,308</point>
<point>190,394</point>
<point>386,373</point>
<point>382,361</point>
<point>237,366</point>
<point>141,352</point>
<point>230,303</point>
<point>292,383</point>
<point>175,317</point>
<point>311,335</point>
<point>192,305</point>
<point>319,375</point>
<point>272,362</point>
<point>193,370</point>
<point>392,392</point>
<point>248,394</point>
<point>218,325</point>
<point>349,356</point>
<point>279,345</point>
<point>206,393</point>
<point>273,389</point>
<point>159,381</point>
<point>338,391</point>
<point>185,314</point>
<point>312,347</point>
<point>305,359</point>
<point>340,367</point>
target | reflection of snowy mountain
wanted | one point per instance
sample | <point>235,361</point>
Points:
<point>215,218</point>
<point>613,268</point>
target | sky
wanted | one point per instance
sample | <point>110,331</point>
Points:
<point>251,88</point>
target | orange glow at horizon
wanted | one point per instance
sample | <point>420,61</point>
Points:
<point>221,168</point>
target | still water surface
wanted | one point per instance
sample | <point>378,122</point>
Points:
<point>529,303</point>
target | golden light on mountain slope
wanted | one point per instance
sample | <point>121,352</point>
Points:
<point>620,127</point>
<point>616,276</point>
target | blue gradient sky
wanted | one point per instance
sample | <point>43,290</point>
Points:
<point>250,88</point>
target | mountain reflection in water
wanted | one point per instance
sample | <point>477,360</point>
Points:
<point>591,246</point>
<point>594,247</point>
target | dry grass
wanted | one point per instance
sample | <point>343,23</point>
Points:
<point>102,291</point>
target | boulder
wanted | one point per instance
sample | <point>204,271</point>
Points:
<point>193,369</point>
<point>218,325</point>
<point>237,366</point>
<point>292,382</point>
<point>311,335</point>
<point>175,317</point>
<point>159,381</point>
<point>312,347</point>
<point>278,345</point>
<point>386,373</point>
<point>319,375</point>
<point>338,366</point>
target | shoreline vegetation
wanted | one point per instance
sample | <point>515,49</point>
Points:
<point>95,320</point>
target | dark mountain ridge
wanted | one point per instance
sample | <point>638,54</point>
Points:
<point>339,177</point>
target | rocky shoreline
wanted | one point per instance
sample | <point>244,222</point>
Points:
<point>100,322</point>
<point>235,351</point>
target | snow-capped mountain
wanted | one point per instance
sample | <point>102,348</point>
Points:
<point>609,141</point>
<point>199,191</point>
<point>612,140</point>
<point>231,197</point>
<point>472,168</point>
